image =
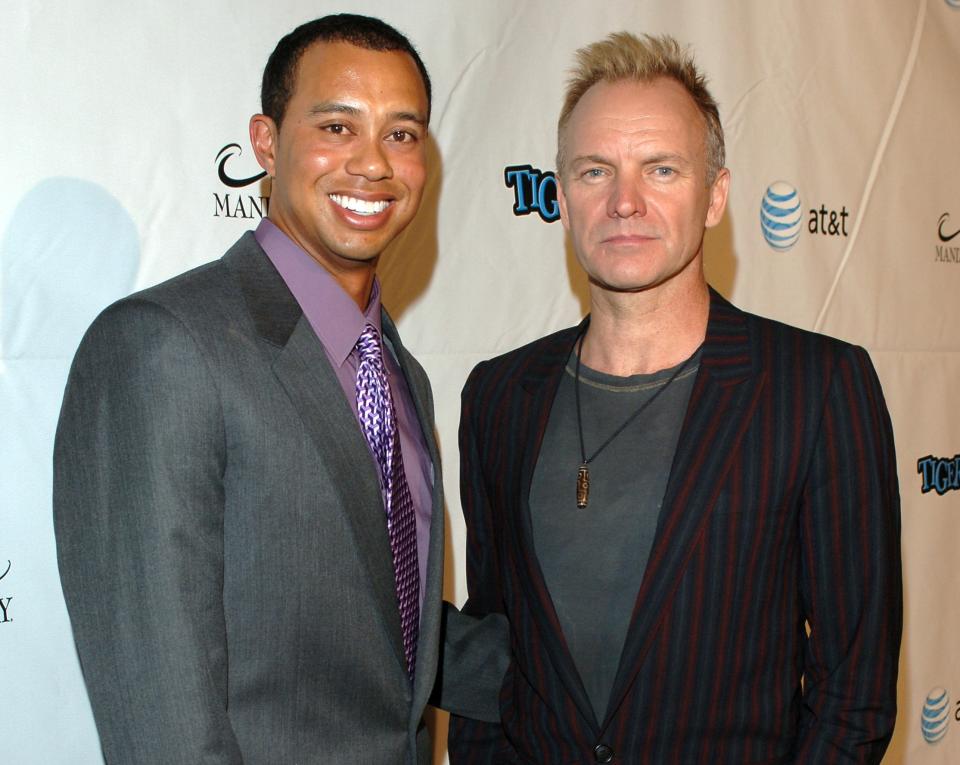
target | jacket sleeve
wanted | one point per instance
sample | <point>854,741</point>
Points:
<point>138,511</point>
<point>473,742</point>
<point>851,574</point>
<point>474,654</point>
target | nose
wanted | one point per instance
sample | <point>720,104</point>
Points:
<point>626,197</point>
<point>370,160</point>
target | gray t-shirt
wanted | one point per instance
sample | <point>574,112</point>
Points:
<point>593,558</point>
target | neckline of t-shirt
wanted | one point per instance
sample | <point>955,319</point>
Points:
<point>632,383</point>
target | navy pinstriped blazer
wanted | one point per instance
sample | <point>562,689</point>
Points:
<point>781,513</point>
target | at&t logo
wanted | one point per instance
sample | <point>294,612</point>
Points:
<point>781,217</point>
<point>936,715</point>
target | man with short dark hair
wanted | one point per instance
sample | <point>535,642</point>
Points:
<point>689,514</point>
<point>247,490</point>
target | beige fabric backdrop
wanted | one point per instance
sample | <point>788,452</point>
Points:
<point>115,116</point>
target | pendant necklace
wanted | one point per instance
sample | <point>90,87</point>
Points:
<point>583,472</point>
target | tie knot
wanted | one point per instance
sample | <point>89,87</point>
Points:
<point>368,344</point>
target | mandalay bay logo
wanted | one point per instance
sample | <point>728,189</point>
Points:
<point>947,231</point>
<point>5,616</point>
<point>234,203</point>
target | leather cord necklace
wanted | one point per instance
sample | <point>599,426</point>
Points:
<point>583,472</point>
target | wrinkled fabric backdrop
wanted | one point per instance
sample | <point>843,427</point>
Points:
<point>126,160</point>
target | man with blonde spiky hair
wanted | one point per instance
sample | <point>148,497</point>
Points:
<point>689,514</point>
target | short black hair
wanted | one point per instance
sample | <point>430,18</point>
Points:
<point>280,73</point>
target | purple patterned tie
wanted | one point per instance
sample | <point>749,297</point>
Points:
<point>375,408</point>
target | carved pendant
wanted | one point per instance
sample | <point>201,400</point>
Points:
<point>583,486</point>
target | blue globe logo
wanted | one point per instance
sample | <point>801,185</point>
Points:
<point>935,716</point>
<point>781,216</point>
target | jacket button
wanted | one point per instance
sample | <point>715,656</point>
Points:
<point>602,753</point>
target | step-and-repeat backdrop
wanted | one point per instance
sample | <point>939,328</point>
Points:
<point>125,160</point>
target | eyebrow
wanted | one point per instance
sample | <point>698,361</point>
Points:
<point>594,159</point>
<point>653,159</point>
<point>337,107</point>
<point>333,107</point>
<point>667,157</point>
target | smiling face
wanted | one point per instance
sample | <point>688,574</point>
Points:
<point>348,161</point>
<point>634,195</point>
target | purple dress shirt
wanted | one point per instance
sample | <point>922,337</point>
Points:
<point>338,322</point>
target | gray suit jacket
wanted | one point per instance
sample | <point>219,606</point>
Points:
<point>222,541</point>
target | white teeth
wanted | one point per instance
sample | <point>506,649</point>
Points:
<point>360,206</point>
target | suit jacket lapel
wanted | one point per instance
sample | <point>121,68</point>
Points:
<point>304,371</point>
<point>721,405</point>
<point>302,368</point>
<point>540,382</point>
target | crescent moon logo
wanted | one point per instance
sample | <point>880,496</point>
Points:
<point>235,183</point>
<point>946,216</point>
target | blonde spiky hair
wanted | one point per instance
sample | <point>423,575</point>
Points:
<point>624,56</point>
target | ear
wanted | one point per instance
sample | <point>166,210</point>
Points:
<point>718,197</point>
<point>263,139</point>
<point>562,201</point>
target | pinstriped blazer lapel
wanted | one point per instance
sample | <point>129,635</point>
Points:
<point>540,382</point>
<point>721,404</point>
<point>302,368</point>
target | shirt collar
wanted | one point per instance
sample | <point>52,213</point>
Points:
<point>334,317</point>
